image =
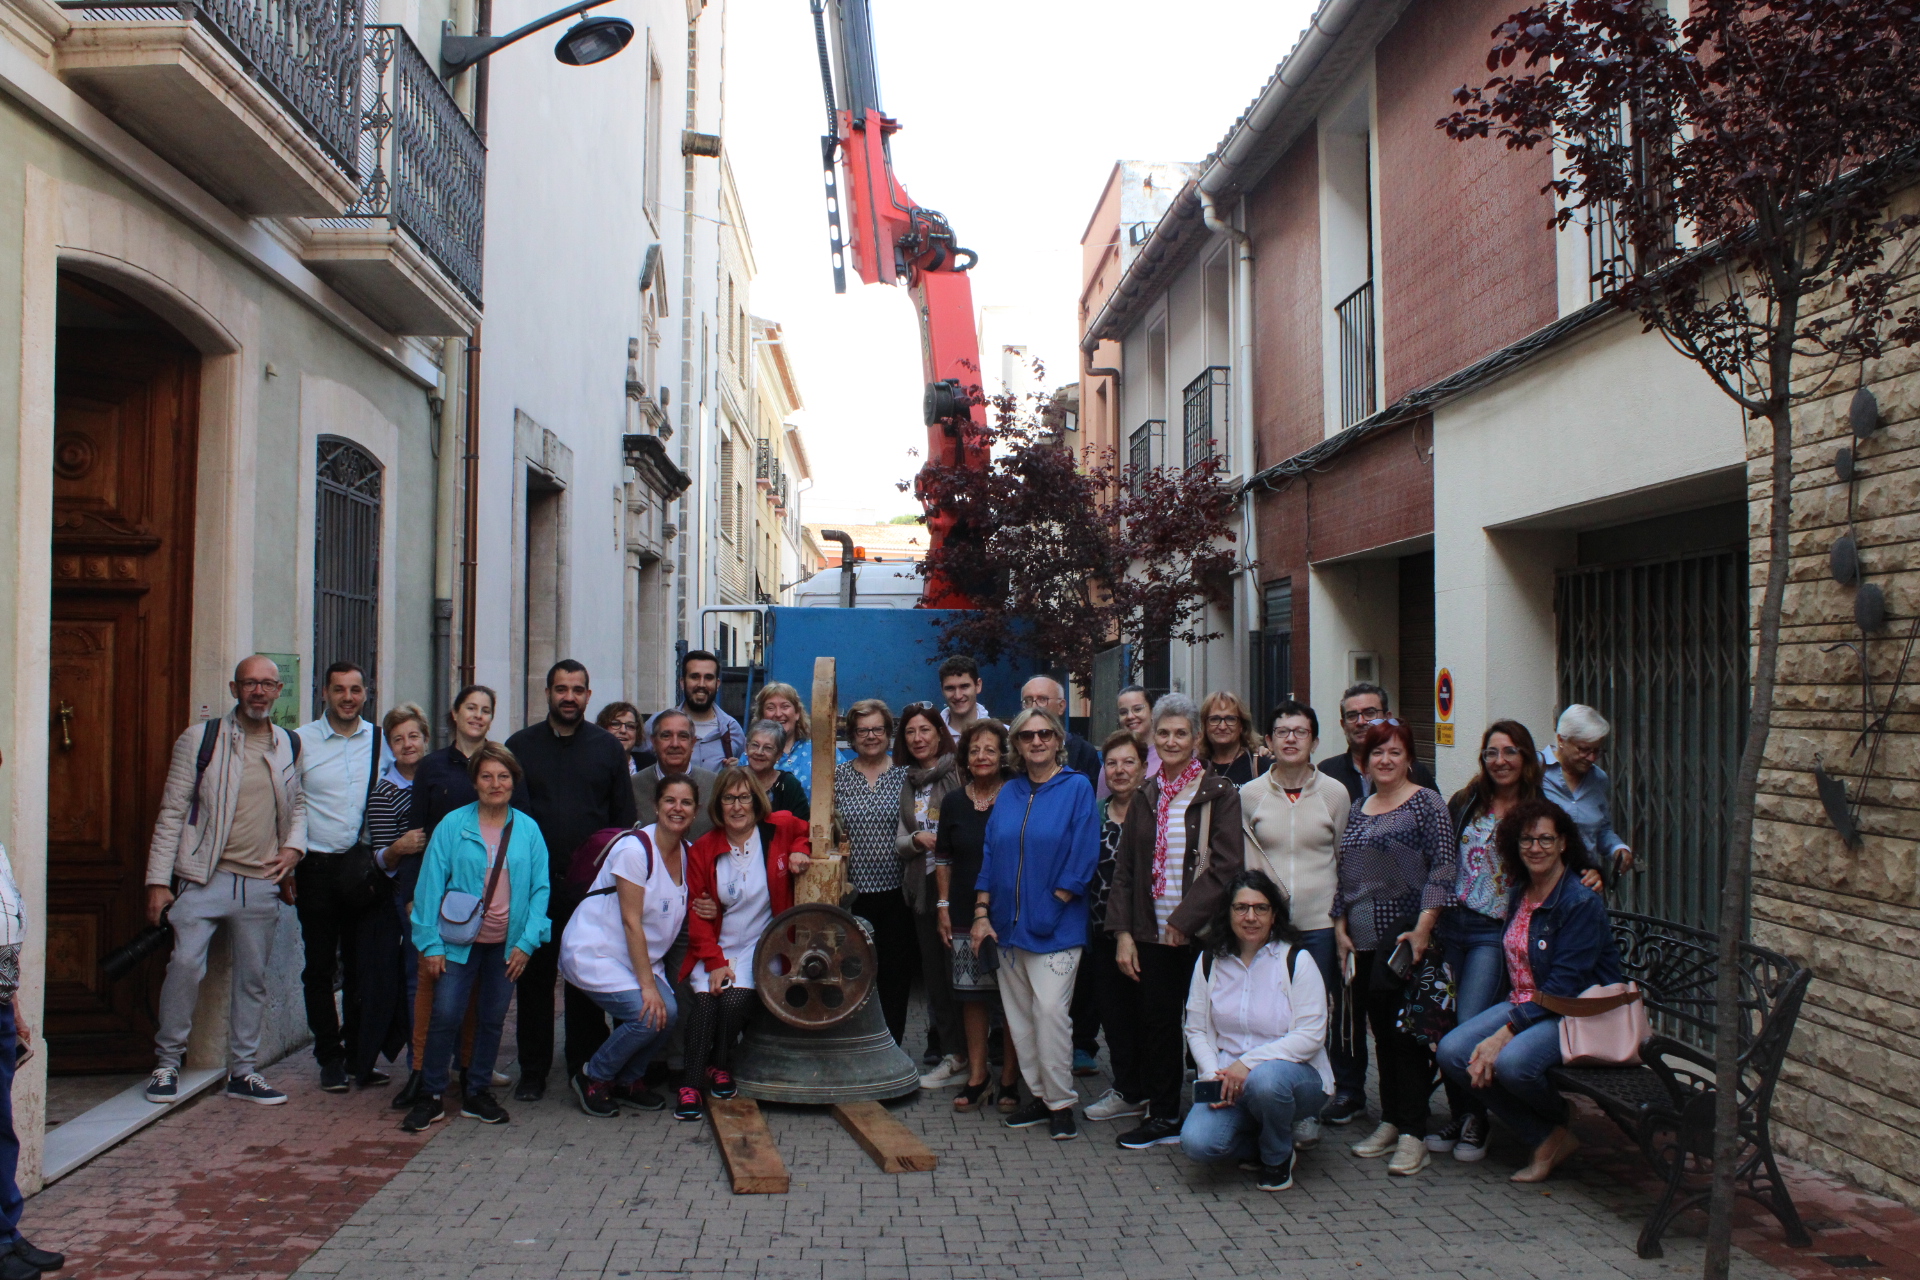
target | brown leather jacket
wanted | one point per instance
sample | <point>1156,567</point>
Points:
<point>1130,902</point>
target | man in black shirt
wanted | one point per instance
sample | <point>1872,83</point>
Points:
<point>577,782</point>
<point>1360,705</point>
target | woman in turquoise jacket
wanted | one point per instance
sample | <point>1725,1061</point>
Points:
<point>1042,847</point>
<point>495,853</point>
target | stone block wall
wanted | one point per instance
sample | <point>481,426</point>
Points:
<point>1849,1098</point>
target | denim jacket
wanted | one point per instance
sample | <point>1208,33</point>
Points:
<point>1569,946</point>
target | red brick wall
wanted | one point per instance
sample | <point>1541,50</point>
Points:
<point>1283,217</point>
<point>1466,259</point>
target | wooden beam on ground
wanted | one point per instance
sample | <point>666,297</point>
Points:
<point>893,1146</point>
<point>745,1144</point>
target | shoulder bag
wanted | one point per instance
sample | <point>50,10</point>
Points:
<point>1604,1025</point>
<point>462,914</point>
<point>363,882</point>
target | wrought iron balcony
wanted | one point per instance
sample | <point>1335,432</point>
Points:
<point>1204,410</point>
<point>763,464</point>
<point>1354,318</point>
<point>425,176</point>
<point>1145,447</point>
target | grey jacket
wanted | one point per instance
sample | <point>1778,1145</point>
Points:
<point>191,850</point>
<point>944,776</point>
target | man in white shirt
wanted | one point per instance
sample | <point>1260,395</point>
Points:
<point>339,755</point>
<point>960,686</point>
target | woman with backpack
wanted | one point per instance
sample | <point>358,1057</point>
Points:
<point>1257,1026</point>
<point>746,866</point>
<point>479,912</point>
<point>615,946</point>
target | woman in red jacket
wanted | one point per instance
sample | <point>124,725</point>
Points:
<point>741,876</point>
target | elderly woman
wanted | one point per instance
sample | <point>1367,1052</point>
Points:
<point>1574,780</point>
<point>783,791</point>
<point>1123,768</point>
<point>495,854</point>
<point>1182,843</point>
<point>984,750</point>
<point>1041,851</point>
<point>745,866</point>
<point>1257,1024</point>
<point>1557,943</point>
<point>1396,877</point>
<point>782,704</point>
<point>1231,741</point>
<point>866,798</point>
<point>398,841</point>
<point>924,748</point>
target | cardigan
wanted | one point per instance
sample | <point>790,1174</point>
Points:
<point>1130,901</point>
<point>1297,842</point>
<point>456,858</point>
<point>943,776</point>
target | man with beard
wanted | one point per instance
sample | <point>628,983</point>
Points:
<point>576,783</point>
<point>718,739</point>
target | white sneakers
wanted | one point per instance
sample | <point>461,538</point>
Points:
<point>1306,1134</point>
<point>1383,1140</point>
<point>952,1067</point>
<point>1409,1156</point>
<point>1111,1106</point>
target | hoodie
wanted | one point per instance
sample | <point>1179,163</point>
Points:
<point>1040,839</point>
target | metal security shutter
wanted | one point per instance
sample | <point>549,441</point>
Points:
<point>346,561</point>
<point>1660,650</point>
<point>1276,647</point>
<point>1414,699</point>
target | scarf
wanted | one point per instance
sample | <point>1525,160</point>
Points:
<point>1169,789</point>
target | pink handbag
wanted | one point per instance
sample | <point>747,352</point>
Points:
<point>1602,1026</point>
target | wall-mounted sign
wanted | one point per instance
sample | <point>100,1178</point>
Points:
<point>1443,708</point>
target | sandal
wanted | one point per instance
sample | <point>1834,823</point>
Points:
<point>969,1098</point>
<point>1010,1097</point>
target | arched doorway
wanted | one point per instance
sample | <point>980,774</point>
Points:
<point>126,392</point>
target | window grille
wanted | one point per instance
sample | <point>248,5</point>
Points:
<point>346,560</point>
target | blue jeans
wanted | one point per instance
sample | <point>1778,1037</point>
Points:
<point>624,1057</point>
<point>486,967</point>
<point>1349,1059</point>
<point>1276,1096</point>
<point>11,1201</point>
<point>1519,1093</point>
<point>1470,943</point>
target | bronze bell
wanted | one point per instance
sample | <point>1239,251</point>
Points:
<point>819,1036</point>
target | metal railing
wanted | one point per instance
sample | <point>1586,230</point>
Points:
<point>1204,408</point>
<point>1142,445</point>
<point>306,53</point>
<point>1354,317</point>
<point>425,165</point>
<point>764,461</point>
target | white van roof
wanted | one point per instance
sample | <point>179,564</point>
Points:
<point>888,584</point>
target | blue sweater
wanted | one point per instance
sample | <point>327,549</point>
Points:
<point>1039,840</point>
<point>456,858</point>
<point>1570,946</point>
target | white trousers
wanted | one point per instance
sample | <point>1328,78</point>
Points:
<point>1036,992</point>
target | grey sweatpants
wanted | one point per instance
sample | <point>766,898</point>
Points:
<point>249,909</point>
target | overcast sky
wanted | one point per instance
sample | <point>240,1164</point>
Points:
<point>1013,112</point>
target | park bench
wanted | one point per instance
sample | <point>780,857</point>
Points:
<point>1666,1105</point>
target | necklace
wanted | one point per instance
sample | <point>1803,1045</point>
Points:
<point>981,802</point>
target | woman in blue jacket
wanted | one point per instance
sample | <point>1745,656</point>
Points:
<point>1042,847</point>
<point>494,852</point>
<point>1557,943</point>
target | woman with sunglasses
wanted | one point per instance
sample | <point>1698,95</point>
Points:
<point>866,798</point>
<point>1396,877</point>
<point>924,748</point>
<point>1041,851</point>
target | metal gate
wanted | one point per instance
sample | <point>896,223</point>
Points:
<point>346,561</point>
<point>1660,649</point>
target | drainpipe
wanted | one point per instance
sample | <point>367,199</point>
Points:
<point>1242,374</point>
<point>446,498</point>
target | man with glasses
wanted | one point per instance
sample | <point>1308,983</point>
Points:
<point>1574,780</point>
<point>1046,694</point>
<point>1360,706</point>
<point>673,746</point>
<point>232,827</point>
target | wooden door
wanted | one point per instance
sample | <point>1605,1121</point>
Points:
<point>126,416</point>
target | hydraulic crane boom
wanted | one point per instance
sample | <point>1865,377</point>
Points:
<point>891,240</point>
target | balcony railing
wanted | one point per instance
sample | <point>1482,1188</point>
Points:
<point>764,463</point>
<point>1204,427</point>
<point>1354,317</point>
<point>1144,444</point>
<point>425,165</point>
<point>306,53</point>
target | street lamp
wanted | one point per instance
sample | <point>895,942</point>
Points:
<point>588,41</point>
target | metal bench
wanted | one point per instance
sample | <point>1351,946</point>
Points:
<point>1666,1105</point>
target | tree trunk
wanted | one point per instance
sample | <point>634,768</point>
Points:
<point>1727,1145</point>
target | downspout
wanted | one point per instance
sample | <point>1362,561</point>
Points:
<point>470,514</point>
<point>445,525</point>
<point>1242,375</point>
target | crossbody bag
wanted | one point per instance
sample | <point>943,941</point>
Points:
<point>462,914</point>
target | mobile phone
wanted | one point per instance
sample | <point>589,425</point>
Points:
<point>1205,1091</point>
<point>1400,963</point>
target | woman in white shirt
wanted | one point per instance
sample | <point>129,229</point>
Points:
<point>617,940</point>
<point>1257,1024</point>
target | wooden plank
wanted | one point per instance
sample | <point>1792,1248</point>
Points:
<point>747,1147</point>
<point>893,1146</point>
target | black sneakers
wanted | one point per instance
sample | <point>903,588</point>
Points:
<point>252,1087</point>
<point>594,1097</point>
<point>426,1110</point>
<point>1276,1177</point>
<point>1344,1110</point>
<point>38,1259</point>
<point>531,1089</point>
<point>333,1077</point>
<point>479,1105</point>
<point>1151,1133</point>
<point>1472,1146</point>
<point>163,1085</point>
<point>1441,1141</point>
<point>1062,1126</point>
<point>1034,1112</point>
<point>639,1096</point>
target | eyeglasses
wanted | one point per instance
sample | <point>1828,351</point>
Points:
<point>1493,755</point>
<point>250,685</point>
<point>1579,750</point>
<point>730,801</point>
<point>1540,842</point>
<point>1365,715</point>
<point>1221,722</point>
<point>1293,734</point>
<point>870,732</point>
<point>1253,908</point>
<point>1039,700</point>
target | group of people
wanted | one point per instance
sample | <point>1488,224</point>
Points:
<point>1194,887</point>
